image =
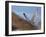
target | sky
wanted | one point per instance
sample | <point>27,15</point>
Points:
<point>28,10</point>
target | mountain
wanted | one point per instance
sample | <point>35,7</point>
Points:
<point>19,23</point>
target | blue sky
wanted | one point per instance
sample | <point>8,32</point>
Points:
<point>28,10</point>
